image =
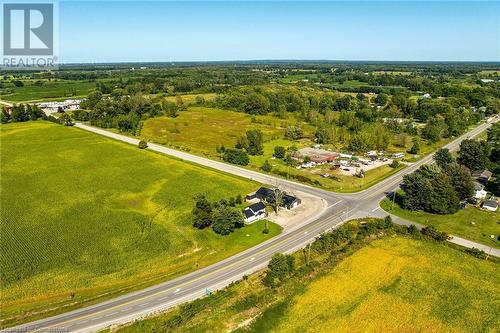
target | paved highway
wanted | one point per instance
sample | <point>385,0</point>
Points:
<point>194,285</point>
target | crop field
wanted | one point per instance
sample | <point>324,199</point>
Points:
<point>395,285</point>
<point>47,91</point>
<point>86,218</point>
<point>490,72</point>
<point>470,223</point>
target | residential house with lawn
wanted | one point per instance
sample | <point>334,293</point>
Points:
<point>479,192</point>
<point>267,195</point>
<point>255,212</point>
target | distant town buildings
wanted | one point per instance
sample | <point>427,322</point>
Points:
<point>69,104</point>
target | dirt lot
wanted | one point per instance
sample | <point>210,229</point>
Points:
<point>310,208</point>
<point>351,170</point>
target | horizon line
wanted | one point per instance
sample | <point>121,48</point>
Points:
<point>253,61</point>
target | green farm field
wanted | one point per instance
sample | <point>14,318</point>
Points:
<point>470,223</point>
<point>86,218</point>
<point>48,91</point>
<point>394,285</point>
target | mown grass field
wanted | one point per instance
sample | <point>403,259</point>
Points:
<point>191,98</point>
<point>397,285</point>
<point>394,284</point>
<point>200,130</point>
<point>48,91</point>
<point>87,215</point>
<point>470,223</point>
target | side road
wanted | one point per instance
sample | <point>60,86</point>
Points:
<point>455,240</point>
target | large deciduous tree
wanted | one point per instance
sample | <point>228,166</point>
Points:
<point>226,219</point>
<point>255,140</point>
<point>461,180</point>
<point>279,152</point>
<point>473,154</point>
<point>323,135</point>
<point>202,212</point>
<point>236,156</point>
<point>443,157</point>
<point>279,268</point>
<point>293,133</point>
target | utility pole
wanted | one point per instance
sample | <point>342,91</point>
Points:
<point>309,254</point>
<point>488,255</point>
<point>393,199</point>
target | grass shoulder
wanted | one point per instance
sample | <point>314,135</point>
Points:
<point>471,223</point>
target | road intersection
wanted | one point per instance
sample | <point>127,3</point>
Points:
<point>340,207</point>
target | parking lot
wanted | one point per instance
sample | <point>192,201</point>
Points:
<point>354,168</point>
<point>327,162</point>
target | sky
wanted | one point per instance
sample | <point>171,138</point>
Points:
<point>127,31</point>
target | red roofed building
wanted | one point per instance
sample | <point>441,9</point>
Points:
<point>320,159</point>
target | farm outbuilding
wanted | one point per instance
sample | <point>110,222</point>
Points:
<point>491,205</point>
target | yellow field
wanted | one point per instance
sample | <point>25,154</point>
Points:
<point>400,285</point>
<point>191,98</point>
